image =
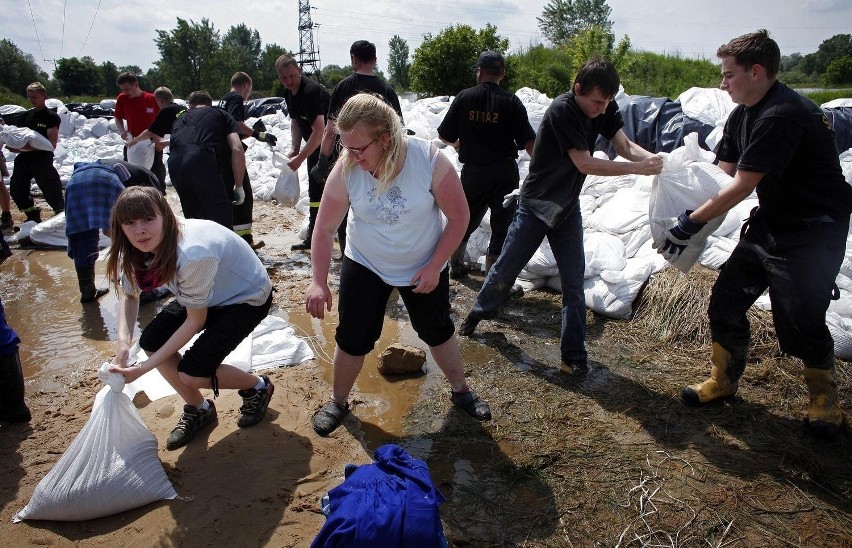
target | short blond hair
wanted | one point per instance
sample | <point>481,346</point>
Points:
<point>37,86</point>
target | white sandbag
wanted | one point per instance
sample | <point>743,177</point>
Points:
<point>717,251</point>
<point>111,466</point>
<point>541,265</point>
<point>625,211</point>
<point>50,232</point>
<point>603,252</point>
<point>287,190</point>
<point>142,154</point>
<point>19,137</point>
<point>687,181</point>
<point>846,165</point>
<point>707,105</point>
<point>107,104</point>
<point>841,331</point>
<point>100,127</point>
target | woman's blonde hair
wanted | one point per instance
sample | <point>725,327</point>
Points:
<point>379,118</point>
<point>142,202</point>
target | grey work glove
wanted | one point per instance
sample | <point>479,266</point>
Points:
<point>677,237</point>
<point>239,195</point>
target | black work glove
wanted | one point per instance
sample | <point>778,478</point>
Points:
<point>265,136</point>
<point>320,171</point>
<point>258,126</point>
<point>677,237</point>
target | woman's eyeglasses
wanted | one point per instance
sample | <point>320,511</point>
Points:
<point>360,150</point>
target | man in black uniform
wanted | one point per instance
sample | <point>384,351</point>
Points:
<point>36,164</point>
<point>234,103</point>
<point>307,103</point>
<point>780,143</point>
<point>205,142</point>
<point>488,125</point>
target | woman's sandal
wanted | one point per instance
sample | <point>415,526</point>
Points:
<point>329,417</point>
<point>472,404</point>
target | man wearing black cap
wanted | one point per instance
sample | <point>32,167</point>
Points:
<point>363,57</point>
<point>488,125</point>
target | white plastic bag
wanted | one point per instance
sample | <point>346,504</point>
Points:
<point>111,466</point>
<point>287,189</point>
<point>141,154</point>
<point>687,181</point>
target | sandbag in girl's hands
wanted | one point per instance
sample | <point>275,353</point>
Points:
<point>111,466</point>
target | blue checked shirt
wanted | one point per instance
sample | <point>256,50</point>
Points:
<point>89,197</point>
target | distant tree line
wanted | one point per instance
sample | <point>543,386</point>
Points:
<point>196,55</point>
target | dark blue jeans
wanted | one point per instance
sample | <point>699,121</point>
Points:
<point>566,241</point>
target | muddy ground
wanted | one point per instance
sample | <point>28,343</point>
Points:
<point>602,459</point>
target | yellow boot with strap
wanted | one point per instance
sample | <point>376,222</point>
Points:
<point>825,418</point>
<point>724,376</point>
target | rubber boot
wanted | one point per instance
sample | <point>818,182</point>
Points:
<point>457,267</point>
<point>33,214</point>
<point>312,219</point>
<point>825,417</point>
<point>724,375</point>
<point>88,291</point>
<point>13,408</point>
<point>6,220</point>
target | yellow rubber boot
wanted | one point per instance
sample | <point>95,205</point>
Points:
<point>722,383</point>
<point>824,415</point>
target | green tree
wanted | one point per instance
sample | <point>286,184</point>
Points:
<point>18,69</point>
<point>657,75</point>
<point>78,76</point>
<point>839,71</point>
<point>398,63</point>
<point>594,40</point>
<point>107,73</point>
<point>333,74</point>
<point>443,63</point>
<point>562,19</point>
<point>266,76</point>
<point>548,70</point>
<point>188,55</point>
<point>240,51</point>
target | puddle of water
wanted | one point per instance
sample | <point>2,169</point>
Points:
<point>381,401</point>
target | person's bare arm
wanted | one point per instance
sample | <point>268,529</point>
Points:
<point>238,159</point>
<point>311,145</point>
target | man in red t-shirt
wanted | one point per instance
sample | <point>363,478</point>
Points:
<point>135,110</point>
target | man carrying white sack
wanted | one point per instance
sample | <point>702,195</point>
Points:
<point>780,143</point>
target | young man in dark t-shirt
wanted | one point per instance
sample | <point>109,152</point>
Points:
<point>197,175</point>
<point>307,104</point>
<point>163,121</point>
<point>234,104</point>
<point>488,125</point>
<point>780,144</point>
<point>549,200</point>
<point>36,164</point>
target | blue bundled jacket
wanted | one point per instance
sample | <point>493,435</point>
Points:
<point>389,503</point>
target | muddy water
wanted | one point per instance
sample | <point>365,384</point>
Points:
<point>41,298</point>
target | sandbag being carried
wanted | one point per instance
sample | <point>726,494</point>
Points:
<point>687,181</point>
<point>141,154</point>
<point>111,466</point>
<point>19,137</point>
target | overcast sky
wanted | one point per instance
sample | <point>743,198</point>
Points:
<point>123,31</point>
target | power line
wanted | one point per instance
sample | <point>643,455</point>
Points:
<point>36,30</point>
<point>62,43</point>
<point>86,41</point>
